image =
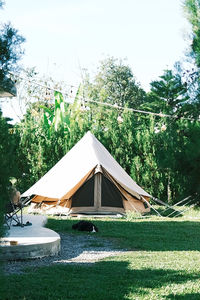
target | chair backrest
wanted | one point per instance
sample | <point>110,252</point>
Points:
<point>16,198</point>
<point>13,206</point>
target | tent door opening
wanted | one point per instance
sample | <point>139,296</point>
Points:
<point>97,193</point>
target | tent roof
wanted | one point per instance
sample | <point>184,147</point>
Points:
<point>73,167</point>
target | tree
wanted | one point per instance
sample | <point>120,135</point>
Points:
<point>187,155</point>
<point>10,45</point>
<point>115,84</point>
<point>192,8</point>
<point>192,75</point>
<point>10,50</point>
<point>168,94</point>
<point>7,162</point>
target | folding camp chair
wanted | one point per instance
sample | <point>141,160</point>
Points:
<point>14,213</point>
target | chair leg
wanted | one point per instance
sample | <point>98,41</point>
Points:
<point>22,225</point>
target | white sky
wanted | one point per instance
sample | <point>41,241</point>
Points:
<point>64,35</point>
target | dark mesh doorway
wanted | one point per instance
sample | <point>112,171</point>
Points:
<point>110,195</point>
<point>85,194</point>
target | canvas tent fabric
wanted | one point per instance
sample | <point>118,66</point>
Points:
<point>88,179</point>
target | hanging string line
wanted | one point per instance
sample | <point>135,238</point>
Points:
<point>161,115</point>
<point>43,85</point>
<point>140,111</point>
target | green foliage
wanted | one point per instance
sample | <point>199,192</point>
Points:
<point>7,163</point>
<point>189,157</point>
<point>38,151</point>
<point>57,116</point>
<point>115,84</point>
<point>132,215</point>
<point>192,8</point>
<point>144,167</point>
<point>167,94</point>
<point>10,50</point>
<point>169,140</point>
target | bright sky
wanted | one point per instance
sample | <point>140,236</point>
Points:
<point>63,36</point>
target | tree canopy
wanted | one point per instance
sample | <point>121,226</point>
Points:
<point>115,83</point>
<point>192,8</point>
<point>10,50</point>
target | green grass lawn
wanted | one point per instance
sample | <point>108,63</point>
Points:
<point>163,262</point>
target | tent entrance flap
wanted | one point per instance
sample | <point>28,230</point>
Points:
<point>85,195</point>
<point>110,195</point>
<point>97,194</point>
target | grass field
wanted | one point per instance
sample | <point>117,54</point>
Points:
<point>163,262</point>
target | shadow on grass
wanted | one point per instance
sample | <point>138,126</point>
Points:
<point>103,280</point>
<point>146,235</point>
<point>194,296</point>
